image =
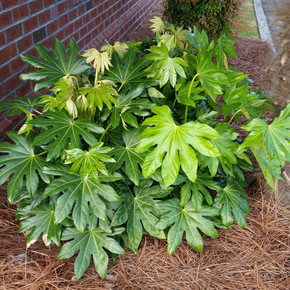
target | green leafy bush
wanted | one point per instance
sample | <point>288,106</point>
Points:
<point>143,143</point>
<point>210,15</point>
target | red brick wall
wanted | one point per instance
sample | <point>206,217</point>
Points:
<point>90,22</point>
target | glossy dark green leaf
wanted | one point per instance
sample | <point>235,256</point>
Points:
<point>165,68</point>
<point>126,154</point>
<point>78,195</point>
<point>186,219</point>
<point>138,210</point>
<point>21,161</point>
<point>130,72</point>
<point>51,69</point>
<point>232,200</point>
<point>60,129</point>
<point>41,221</point>
<point>89,243</point>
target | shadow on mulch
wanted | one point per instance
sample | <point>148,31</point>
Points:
<point>256,257</point>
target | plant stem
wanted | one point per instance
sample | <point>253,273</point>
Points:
<point>188,96</point>
<point>96,79</point>
<point>108,127</point>
<point>233,116</point>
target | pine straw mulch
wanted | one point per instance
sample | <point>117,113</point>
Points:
<point>256,257</point>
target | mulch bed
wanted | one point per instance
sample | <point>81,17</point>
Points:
<point>256,257</point>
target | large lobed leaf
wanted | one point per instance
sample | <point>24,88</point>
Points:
<point>79,195</point>
<point>25,165</point>
<point>164,67</point>
<point>126,154</point>
<point>61,130</point>
<point>90,243</point>
<point>130,72</point>
<point>174,145</point>
<point>186,219</point>
<point>270,144</point>
<point>138,210</point>
<point>42,222</point>
<point>51,69</point>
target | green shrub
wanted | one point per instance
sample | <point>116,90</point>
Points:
<point>139,144</point>
<point>211,15</point>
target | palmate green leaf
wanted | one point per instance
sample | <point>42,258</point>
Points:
<point>90,243</point>
<point>130,72</point>
<point>78,194</point>
<point>198,190</point>
<point>186,219</point>
<point>51,69</point>
<point>61,129</point>
<point>223,47</point>
<point>270,144</point>
<point>41,221</point>
<point>89,162</point>
<point>232,200</point>
<point>240,99</point>
<point>174,145</point>
<point>130,105</point>
<point>103,92</point>
<point>26,166</point>
<point>19,105</point>
<point>138,210</point>
<point>211,79</point>
<point>164,67</point>
<point>127,154</point>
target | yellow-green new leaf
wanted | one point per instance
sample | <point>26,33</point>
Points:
<point>175,145</point>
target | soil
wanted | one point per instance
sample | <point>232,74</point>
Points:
<point>256,257</point>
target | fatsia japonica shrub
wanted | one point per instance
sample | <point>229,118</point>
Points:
<point>138,142</point>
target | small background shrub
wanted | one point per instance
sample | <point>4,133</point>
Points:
<point>210,15</point>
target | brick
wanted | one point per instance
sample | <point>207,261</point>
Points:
<point>81,10</point>
<point>53,11</point>
<point>43,17</point>
<point>73,14</point>
<point>5,125</point>
<point>12,83</point>
<point>20,12</point>
<point>69,30</point>
<point>35,6</point>
<point>24,90</point>
<point>9,3</point>
<point>48,42</point>
<point>8,52</point>
<point>89,5</point>
<point>48,3</point>
<point>2,91</point>
<point>61,8</point>
<point>60,34</point>
<point>63,20</point>
<point>2,38</point>
<point>39,34</point>
<point>52,27</point>
<point>5,19</point>
<point>14,119</point>
<point>5,72</point>
<point>24,43</point>
<point>30,24</point>
<point>17,64</point>
<point>13,32</point>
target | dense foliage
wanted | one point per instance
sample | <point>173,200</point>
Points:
<point>210,15</point>
<point>142,143</point>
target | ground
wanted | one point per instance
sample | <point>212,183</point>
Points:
<point>256,257</point>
